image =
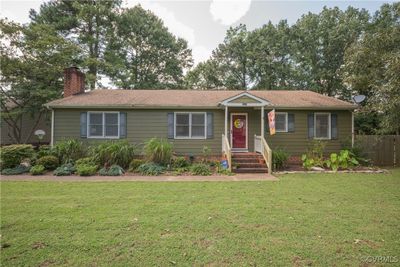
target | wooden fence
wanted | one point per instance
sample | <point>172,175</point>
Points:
<point>383,150</point>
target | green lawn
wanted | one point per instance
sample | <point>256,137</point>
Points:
<point>323,220</point>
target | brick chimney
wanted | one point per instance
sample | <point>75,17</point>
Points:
<point>74,81</point>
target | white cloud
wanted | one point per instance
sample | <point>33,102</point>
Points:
<point>174,25</point>
<point>228,12</point>
<point>201,53</point>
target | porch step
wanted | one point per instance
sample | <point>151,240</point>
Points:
<point>251,170</point>
<point>250,165</point>
<point>249,162</point>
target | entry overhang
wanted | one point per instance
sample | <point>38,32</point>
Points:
<point>245,99</point>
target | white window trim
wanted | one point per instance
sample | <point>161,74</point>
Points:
<point>190,126</point>
<point>286,122</point>
<point>104,125</point>
<point>329,126</point>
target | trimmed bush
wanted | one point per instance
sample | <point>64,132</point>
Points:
<point>49,162</point>
<point>114,170</point>
<point>179,162</point>
<point>37,170</point>
<point>86,169</point>
<point>279,158</point>
<point>158,150</point>
<point>69,150</point>
<point>113,153</point>
<point>200,169</point>
<point>135,163</point>
<point>20,169</point>
<point>11,156</point>
<point>64,170</point>
<point>45,150</point>
<point>151,169</point>
<point>87,160</point>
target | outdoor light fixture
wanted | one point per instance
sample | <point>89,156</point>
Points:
<point>40,134</point>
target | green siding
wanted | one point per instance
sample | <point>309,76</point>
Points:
<point>244,99</point>
<point>297,142</point>
<point>144,124</point>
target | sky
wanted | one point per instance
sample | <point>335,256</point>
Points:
<point>204,23</point>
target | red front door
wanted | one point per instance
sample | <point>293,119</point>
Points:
<point>239,131</point>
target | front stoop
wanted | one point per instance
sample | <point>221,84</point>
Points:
<point>248,162</point>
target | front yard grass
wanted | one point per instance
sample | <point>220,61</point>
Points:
<point>318,219</point>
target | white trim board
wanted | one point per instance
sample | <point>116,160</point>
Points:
<point>262,102</point>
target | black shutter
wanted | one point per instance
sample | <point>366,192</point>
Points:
<point>291,122</point>
<point>311,125</point>
<point>210,125</point>
<point>170,125</point>
<point>122,124</point>
<point>334,130</point>
<point>84,119</point>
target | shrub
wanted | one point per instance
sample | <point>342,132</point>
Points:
<point>180,171</point>
<point>20,169</point>
<point>37,170</point>
<point>315,155</point>
<point>49,162</point>
<point>279,158</point>
<point>11,156</point>
<point>206,153</point>
<point>151,169</point>
<point>45,150</point>
<point>87,160</point>
<point>179,162</point>
<point>135,163</point>
<point>344,160</point>
<point>113,153</point>
<point>200,169</point>
<point>64,170</point>
<point>86,169</point>
<point>158,150</point>
<point>69,150</point>
<point>357,150</point>
<point>114,170</point>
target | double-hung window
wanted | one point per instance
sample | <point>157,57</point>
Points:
<point>103,124</point>
<point>281,122</point>
<point>322,125</point>
<point>190,125</point>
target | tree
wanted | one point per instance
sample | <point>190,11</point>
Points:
<point>32,61</point>
<point>143,54</point>
<point>319,44</point>
<point>271,63</point>
<point>229,65</point>
<point>85,22</point>
<point>372,67</point>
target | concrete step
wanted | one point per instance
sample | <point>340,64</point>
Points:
<point>246,155</point>
<point>251,170</point>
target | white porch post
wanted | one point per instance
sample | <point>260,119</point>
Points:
<point>226,122</point>
<point>262,121</point>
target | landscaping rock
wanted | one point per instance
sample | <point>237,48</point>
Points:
<point>317,169</point>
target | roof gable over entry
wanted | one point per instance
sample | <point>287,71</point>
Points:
<point>245,99</point>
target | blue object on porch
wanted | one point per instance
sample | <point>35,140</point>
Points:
<point>224,164</point>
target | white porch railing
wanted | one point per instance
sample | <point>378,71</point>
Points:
<point>227,151</point>
<point>261,146</point>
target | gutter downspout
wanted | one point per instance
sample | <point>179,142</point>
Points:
<point>352,129</point>
<point>52,128</point>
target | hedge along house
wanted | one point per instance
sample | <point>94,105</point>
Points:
<point>233,122</point>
